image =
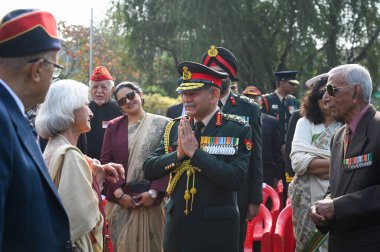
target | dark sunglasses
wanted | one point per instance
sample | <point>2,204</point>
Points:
<point>331,90</point>
<point>320,94</point>
<point>130,96</point>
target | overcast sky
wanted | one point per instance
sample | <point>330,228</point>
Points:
<point>77,12</point>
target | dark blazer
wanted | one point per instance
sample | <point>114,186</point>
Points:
<point>213,223</point>
<point>356,192</point>
<point>102,115</point>
<point>32,217</point>
<point>174,111</point>
<point>271,149</point>
<point>251,191</point>
<point>289,139</point>
<point>244,107</point>
<point>281,111</point>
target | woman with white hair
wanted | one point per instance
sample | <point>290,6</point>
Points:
<point>62,118</point>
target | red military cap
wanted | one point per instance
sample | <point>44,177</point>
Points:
<point>197,76</point>
<point>100,74</point>
<point>251,90</point>
<point>223,58</point>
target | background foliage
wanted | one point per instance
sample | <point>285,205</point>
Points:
<point>144,40</point>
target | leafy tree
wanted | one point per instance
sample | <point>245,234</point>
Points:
<point>108,50</point>
<point>266,36</point>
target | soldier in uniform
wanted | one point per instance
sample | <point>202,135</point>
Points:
<point>207,158</point>
<point>103,107</point>
<point>281,104</point>
<point>271,141</point>
<point>234,87</point>
<point>250,195</point>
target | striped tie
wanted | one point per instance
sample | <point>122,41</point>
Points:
<point>346,139</point>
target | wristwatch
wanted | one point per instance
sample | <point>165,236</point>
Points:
<point>152,193</point>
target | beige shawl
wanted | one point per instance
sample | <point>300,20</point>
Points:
<point>72,176</point>
<point>140,229</point>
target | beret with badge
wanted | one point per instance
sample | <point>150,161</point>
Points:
<point>197,76</point>
<point>222,57</point>
<point>28,31</point>
<point>101,73</point>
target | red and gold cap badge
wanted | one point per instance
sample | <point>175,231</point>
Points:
<point>212,52</point>
<point>186,74</point>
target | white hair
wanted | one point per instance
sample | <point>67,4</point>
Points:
<point>356,74</point>
<point>109,83</point>
<point>56,114</point>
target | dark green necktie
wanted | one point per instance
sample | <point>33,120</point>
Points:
<point>220,104</point>
<point>198,126</point>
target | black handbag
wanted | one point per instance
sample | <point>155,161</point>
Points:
<point>135,188</point>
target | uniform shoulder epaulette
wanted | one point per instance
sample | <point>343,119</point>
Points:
<point>234,118</point>
<point>290,96</point>
<point>245,99</point>
<point>266,95</point>
<point>176,119</point>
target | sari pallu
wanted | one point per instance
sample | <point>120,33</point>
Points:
<point>305,189</point>
<point>72,176</point>
<point>139,229</point>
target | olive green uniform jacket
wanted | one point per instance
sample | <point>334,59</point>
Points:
<point>281,110</point>
<point>212,223</point>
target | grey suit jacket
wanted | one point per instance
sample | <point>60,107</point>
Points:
<point>356,192</point>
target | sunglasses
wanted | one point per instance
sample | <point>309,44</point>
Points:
<point>331,90</point>
<point>130,96</point>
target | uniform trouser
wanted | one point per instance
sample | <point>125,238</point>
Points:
<point>242,200</point>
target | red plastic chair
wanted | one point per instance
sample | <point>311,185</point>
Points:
<point>259,230</point>
<point>280,191</point>
<point>283,237</point>
<point>269,192</point>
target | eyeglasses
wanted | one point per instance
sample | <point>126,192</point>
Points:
<point>130,96</point>
<point>331,90</point>
<point>57,68</point>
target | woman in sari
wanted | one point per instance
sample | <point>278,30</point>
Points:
<point>310,158</point>
<point>135,208</point>
<point>62,118</point>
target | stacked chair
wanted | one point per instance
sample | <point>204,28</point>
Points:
<point>270,193</point>
<point>259,230</point>
<point>272,228</point>
<point>283,237</point>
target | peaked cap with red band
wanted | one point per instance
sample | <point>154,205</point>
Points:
<point>28,31</point>
<point>197,76</point>
<point>100,74</point>
<point>220,56</point>
<point>251,90</point>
